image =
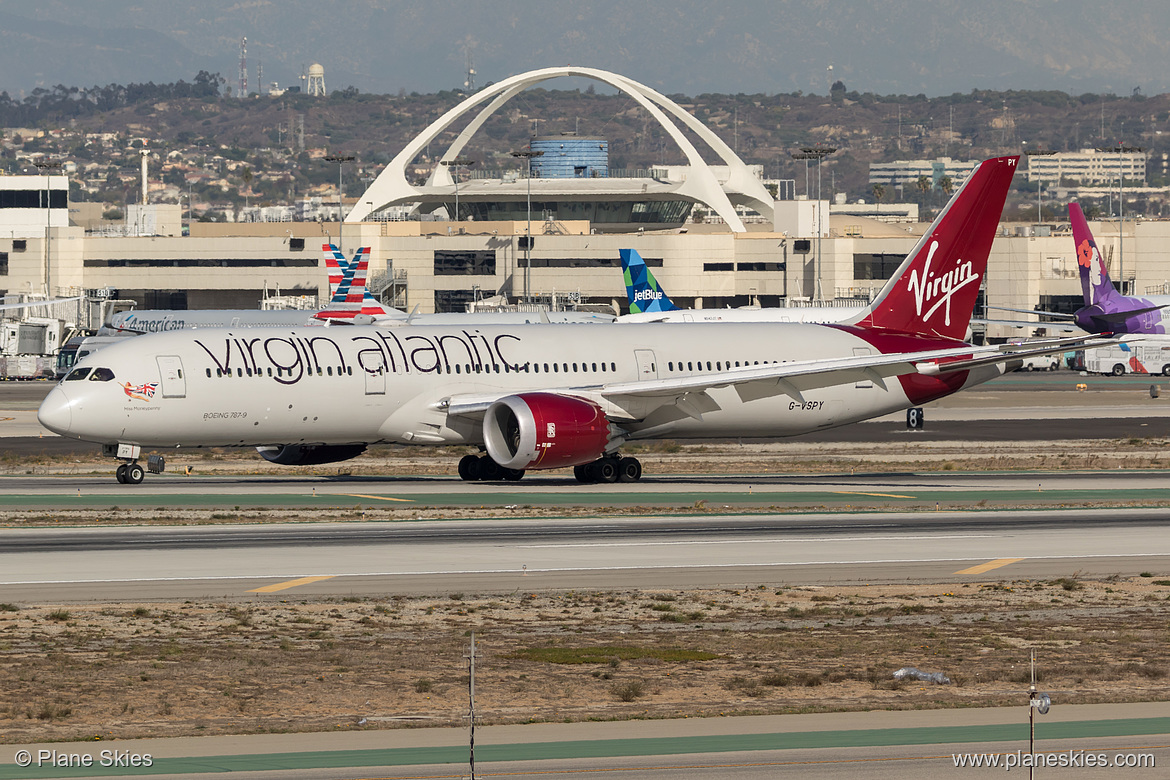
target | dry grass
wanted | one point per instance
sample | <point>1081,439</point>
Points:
<point>164,669</point>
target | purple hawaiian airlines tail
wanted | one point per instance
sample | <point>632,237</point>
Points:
<point>1095,282</point>
<point>1106,310</point>
<point>933,292</point>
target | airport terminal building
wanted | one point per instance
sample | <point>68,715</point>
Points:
<point>550,230</point>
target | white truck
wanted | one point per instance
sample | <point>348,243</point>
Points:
<point>1149,356</point>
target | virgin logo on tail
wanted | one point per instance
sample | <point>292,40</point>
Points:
<point>930,287</point>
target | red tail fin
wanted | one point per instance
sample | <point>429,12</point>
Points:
<point>934,290</point>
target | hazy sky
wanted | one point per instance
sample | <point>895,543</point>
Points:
<point>676,46</point>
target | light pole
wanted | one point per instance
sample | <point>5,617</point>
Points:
<point>46,167</point>
<point>1039,184</point>
<point>527,155</point>
<point>817,153</point>
<point>455,163</point>
<point>341,160</point>
<point>1121,150</point>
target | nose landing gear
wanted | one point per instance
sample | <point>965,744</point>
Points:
<point>130,471</point>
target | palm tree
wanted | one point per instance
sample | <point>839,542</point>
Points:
<point>879,192</point>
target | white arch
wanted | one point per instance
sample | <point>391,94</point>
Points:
<point>391,186</point>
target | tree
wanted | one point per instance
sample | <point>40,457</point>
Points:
<point>923,184</point>
<point>946,185</point>
<point>879,192</point>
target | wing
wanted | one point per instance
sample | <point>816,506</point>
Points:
<point>630,401</point>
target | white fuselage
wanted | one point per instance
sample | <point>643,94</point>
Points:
<point>815,314</point>
<point>375,384</point>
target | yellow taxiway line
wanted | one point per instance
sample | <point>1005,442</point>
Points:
<point>998,562</point>
<point>377,498</point>
<point>291,584</point>
<point>859,493</point>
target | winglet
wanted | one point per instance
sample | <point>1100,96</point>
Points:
<point>642,290</point>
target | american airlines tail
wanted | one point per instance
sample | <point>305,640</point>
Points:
<point>642,290</point>
<point>338,268</point>
<point>933,292</point>
<point>349,297</point>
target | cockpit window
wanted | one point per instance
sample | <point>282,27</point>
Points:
<point>78,374</point>
<point>101,375</point>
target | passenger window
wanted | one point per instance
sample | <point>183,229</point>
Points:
<point>546,367</point>
<point>690,367</point>
<point>101,375</point>
<point>555,368</point>
<point>78,374</point>
<point>574,368</point>
<point>708,365</point>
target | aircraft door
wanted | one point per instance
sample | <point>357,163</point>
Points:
<point>647,367</point>
<point>375,381</point>
<point>170,369</point>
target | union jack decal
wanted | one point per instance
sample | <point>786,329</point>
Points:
<point>143,392</point>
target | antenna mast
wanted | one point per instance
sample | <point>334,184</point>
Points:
<point>243,67</point>
<point>469,83</point>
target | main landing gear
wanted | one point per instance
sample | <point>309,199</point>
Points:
<point>475,468</point>
<point>609,469</point>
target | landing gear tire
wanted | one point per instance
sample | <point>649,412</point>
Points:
<point>489,470</point>
<point>582,473</point>
<point>469,468</point>
<point>629,470</point>
<point>1118,370</point>
<point>134,474</point>
<point>604,470</point>
<point>120,474</point>
<point>513,475</point>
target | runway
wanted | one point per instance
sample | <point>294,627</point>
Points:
<point>276,561</point>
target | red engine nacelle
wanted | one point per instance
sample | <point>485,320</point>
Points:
<point>544,431</point>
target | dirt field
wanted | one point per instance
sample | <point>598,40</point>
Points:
<point>269,664</point>
<point>159,669</point>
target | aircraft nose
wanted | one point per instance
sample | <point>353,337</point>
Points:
<point>56,412</point>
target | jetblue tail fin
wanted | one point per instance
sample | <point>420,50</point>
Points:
<point>642,290</point>
<point>933,292</point>
<point>1095,282</point>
